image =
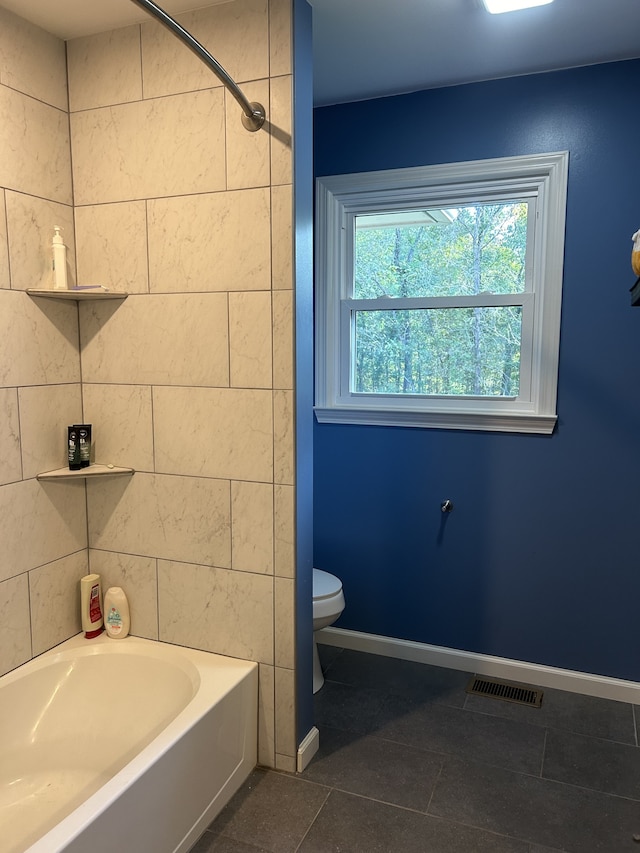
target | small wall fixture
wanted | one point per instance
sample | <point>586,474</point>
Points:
<point>498,6</point>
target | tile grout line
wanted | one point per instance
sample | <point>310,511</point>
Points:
<point>435,785</point>
<point>315,818</point>
<point>544,750</point>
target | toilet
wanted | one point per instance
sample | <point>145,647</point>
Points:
<point>328,604</point>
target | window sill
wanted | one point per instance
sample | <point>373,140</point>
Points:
<point>524,423</point>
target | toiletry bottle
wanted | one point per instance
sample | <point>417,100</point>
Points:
<point>116,612</point>
<point>73,448</point>
<point>84,439</point>
<point>59,252</point>
<point>91,605</point>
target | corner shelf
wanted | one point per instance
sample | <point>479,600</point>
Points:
<point>77,295</point>
<point>94,470</point>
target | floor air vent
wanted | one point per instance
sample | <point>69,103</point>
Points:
<point>522,694</point>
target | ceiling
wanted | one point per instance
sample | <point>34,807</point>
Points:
<point>370,48</point>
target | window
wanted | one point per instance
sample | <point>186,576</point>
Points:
<point>438,295</point>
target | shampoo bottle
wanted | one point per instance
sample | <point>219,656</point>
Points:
<point>116,612</point>
<point>59,251</point>
<point>84,440</point>
<point>73,449</point>
<point>91,606</point>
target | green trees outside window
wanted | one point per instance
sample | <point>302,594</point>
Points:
<point>469,251</point>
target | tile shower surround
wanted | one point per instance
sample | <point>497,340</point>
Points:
<point>142,159</point>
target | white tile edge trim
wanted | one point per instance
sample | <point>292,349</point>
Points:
<point>514,670</point>
<point>307,749</point>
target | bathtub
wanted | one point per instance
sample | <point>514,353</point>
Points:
<point>129,745</point>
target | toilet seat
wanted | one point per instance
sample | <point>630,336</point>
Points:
<point>328,599</point>
<point>325,585</point>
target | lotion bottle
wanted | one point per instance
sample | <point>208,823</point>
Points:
<point>59,251</point>
<point>91,606</point>
<point>116,613</point>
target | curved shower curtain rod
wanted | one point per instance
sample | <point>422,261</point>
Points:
<point>253,113</point>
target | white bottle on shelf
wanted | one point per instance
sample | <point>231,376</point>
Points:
<point>59,251</point>
<point>117,620</point>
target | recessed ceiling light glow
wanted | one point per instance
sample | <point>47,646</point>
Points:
<point>498,6</point>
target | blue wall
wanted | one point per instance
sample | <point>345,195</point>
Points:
<point>540,559</point>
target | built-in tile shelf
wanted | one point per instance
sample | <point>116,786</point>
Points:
<point>77,295</point>
<point>94,470</point>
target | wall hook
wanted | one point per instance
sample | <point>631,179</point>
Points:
<point>446,506</point>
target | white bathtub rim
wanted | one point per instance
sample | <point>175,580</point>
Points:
<point>78,646</point>
<point>83,815</point>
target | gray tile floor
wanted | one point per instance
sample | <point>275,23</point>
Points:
<point>411,763</point>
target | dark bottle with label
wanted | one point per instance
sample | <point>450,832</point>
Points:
<point>84,439</point>
<point>73,443</point>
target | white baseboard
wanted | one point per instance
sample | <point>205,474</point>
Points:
<point>307,749</point>
<point>513,670</point>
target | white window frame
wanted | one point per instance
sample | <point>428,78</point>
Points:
<point>541,179</point>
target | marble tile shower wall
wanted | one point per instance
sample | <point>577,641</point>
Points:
<point>43,531</point>
<point>189,380</point>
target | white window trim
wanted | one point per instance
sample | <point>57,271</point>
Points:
<point>341,197</point>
